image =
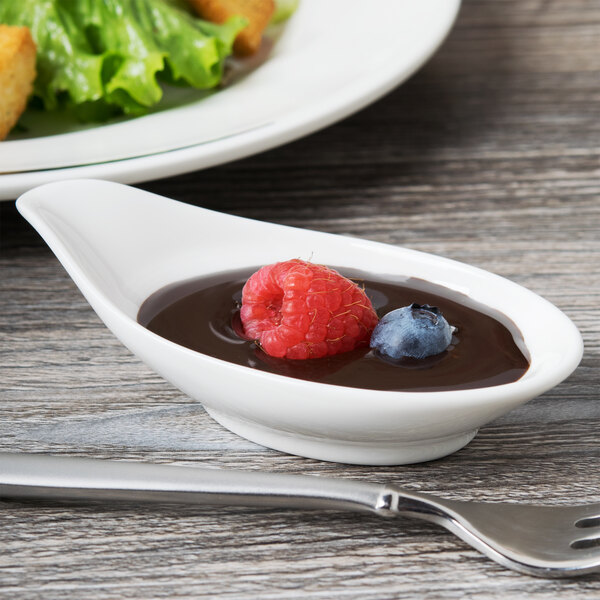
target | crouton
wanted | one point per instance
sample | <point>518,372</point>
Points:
<point>17,72</point>
<point>257,12</point>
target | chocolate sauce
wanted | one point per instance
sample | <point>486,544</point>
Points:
<point>203,314</point>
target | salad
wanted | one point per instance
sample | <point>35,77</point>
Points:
<point>101,58</point>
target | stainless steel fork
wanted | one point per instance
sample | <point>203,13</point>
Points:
<point>537,540</point>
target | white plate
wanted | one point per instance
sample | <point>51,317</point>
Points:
<point>332,59</point>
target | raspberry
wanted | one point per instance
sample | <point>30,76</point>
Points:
<point>295,309</point>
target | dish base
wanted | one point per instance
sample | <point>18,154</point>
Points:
<point>344,451</point>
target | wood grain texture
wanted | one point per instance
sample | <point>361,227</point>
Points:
<point>489,155</point>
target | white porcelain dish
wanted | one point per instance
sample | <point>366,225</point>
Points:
<point>333,58</point>
<point>121,244</point>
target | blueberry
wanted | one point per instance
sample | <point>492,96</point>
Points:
<point>412,331</point>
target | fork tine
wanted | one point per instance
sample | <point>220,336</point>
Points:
<point>578,516</point>
<point>588,522</point>
<point>538,540</point>
<point>588,511</point>
<point>586,542</point>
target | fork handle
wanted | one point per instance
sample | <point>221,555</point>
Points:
<point>43,477</point>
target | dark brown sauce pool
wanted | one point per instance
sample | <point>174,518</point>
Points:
<point>202,314</point>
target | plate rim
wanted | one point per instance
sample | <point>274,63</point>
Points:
<point>289,127</point>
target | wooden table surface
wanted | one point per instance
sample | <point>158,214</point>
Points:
<point>489,155</point>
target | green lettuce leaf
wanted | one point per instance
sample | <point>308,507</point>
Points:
<point>284,10</point>
<point>103,57</point>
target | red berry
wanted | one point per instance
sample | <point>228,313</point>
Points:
<point>295,309</point>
